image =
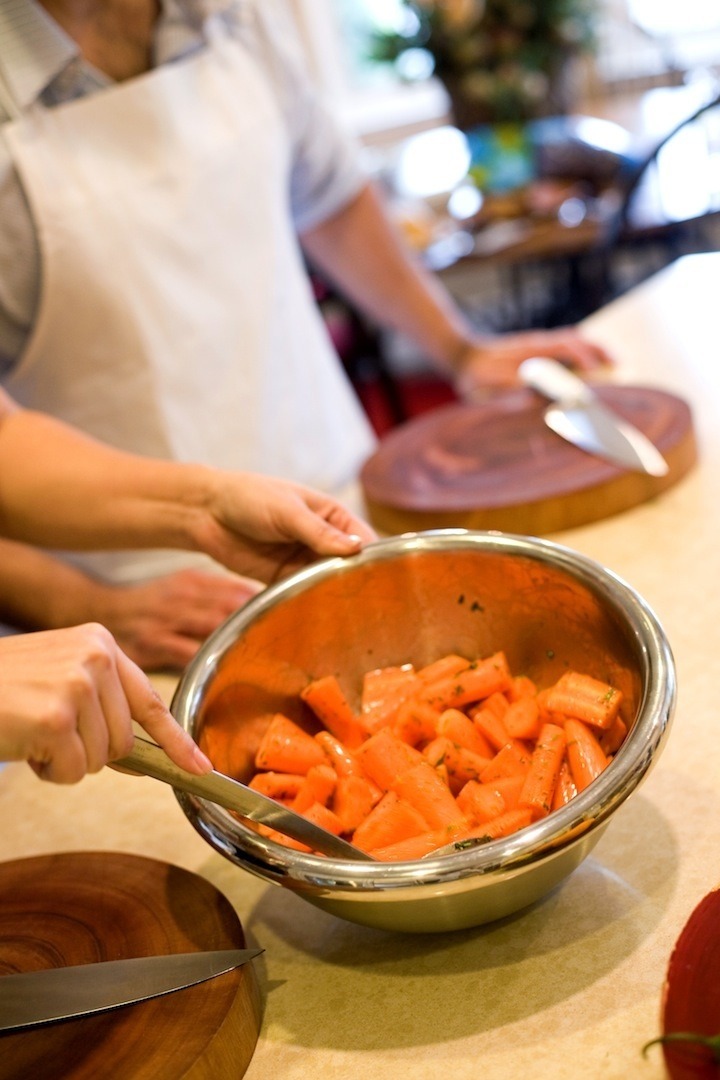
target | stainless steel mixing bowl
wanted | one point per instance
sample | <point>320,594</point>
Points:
<point>414,598</point>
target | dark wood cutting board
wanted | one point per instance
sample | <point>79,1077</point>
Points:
<point>83,907</point>
<point>496,465</point>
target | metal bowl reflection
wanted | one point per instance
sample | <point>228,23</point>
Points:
<point>413,598</point>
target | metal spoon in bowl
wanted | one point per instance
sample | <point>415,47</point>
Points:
<point>147,758</point>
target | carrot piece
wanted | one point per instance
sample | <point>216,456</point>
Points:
<point>415,722</point>
<point>423,788</point>
<point>463,765</point>
<point>547,716</point>
<point>480,679</point>
<point>503,825</point>
<point>415,847</point>
<point>282,838</point>
<point>497,703</point>
<point>585,755</point>
<point>521,686</point>
<point>565,788</point>
<point>384,757</point>
<point>446,666</point>
<point>612,738</point>
<point>512,760</point>
<point>283,787</point>
<point>522,718</point>
<point>492,728</point>
<point>285,747</point>
<point>547,757</point>
<point>480,802</point>
<point>459,728</point>
<point>353,800</point>
<point>391,820</point>
<point>327,700</point>
<point>436,750</point>
<point>324,817</point>
<point>509,787</point>
<point>317,787</point>
<point>384,691</point>
<point>585,698</point>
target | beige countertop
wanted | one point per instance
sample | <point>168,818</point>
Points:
<point>571,987</point>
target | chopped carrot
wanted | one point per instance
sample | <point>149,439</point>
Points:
<point>353,800</point>
<point>447,666</point>
<point>504,825</point>
<point>283,787</point>
<point>285,747</point>
<point>384,757</point>
<point>585,755</point>
<point>521,686</point>
<point>492,728</point>
<point>327,700</point>
<point>384,691</point>
<point>318,786</point>
<point>584,698</point>
<point>512,760</point>
<point>338,755</point>
<point>460,764</point>
<point>415,722</point>
<point>565,788</point>
<point>497,703</point>
<point>509,787</point>
<point>458,727</point>
<point>480,802</point>
<point>391,820</point>
<point>436,750</point>
<point>324,817</point>
<point>613,737</point>
<point>522,718</point>
<point>547,715</point>
<point>415,847</point>
<point>422,788</point>
<point>539,787</point>
<point>479,680</point>
<point>457,749</point>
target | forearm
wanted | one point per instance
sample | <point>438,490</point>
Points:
<point>39,592</point>
<point>81,494</point>
<point>363,254</point>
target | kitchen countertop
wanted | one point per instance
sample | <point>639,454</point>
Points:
<point>571,987</point>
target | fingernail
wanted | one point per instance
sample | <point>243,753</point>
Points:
<point>357,540</point>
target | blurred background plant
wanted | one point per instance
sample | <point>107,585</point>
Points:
<point>500,60</point>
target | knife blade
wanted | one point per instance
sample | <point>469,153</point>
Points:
<point>579,416</point>
<point>31,998</point>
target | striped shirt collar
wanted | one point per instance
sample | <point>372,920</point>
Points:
<point>39,61</point>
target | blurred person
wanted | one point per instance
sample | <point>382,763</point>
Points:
<point>68,696</point>
<point>166,174</point>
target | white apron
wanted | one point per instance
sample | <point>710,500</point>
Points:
<point>176,318</point>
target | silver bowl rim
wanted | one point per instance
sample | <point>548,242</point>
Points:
<point>537,842</point>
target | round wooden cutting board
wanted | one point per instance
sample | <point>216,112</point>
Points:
<point>496,465</point>
<point>85,907</point>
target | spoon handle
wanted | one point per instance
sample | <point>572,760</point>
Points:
<point>147,758</point>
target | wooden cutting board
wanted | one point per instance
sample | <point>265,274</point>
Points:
<point>84,907</point>
<point>496,465</point>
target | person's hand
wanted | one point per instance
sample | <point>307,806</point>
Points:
<point>267,528</point>
<point>493,363</point>
<point>67,699</point>
<point>161,623</point>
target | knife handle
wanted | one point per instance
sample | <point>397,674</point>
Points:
<point>555,381</point>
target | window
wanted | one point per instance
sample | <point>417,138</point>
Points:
<point>640,42</point>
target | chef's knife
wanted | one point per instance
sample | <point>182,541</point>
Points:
<point>579,416</point>
<point>65,993</point>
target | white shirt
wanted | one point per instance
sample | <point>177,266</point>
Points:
<point>40,63</point>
